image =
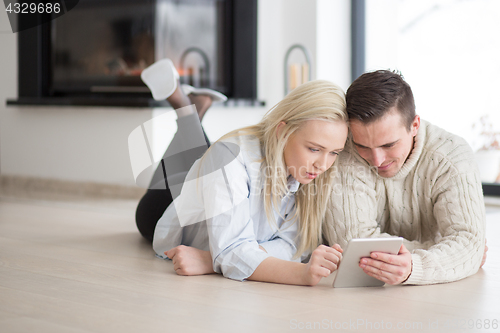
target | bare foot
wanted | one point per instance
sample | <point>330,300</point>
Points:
<point>179,100</point>
<point>202,103</point>
<point>190,261</point>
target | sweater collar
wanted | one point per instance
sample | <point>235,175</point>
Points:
<point>415,153</point>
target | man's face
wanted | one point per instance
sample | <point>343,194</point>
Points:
<point>385,143</point>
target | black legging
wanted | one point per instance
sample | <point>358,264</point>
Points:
<point>156,200</point>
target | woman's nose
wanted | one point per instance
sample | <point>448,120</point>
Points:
<point>321,163</point>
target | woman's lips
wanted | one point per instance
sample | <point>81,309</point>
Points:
<point>311,175</point>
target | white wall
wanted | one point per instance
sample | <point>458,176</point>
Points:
<point>322,26</point>
<point>79,144</point>
<point>8,78</point>
<point>90,143</point>
<point>333,40</point>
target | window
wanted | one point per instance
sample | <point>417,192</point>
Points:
<point>448,51</point>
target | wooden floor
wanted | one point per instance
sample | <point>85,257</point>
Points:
<point>81,266</point>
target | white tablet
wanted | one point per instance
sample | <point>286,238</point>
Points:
<point>349,274</point>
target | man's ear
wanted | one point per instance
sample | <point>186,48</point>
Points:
<point>279,129</point>
<point>415,125</point>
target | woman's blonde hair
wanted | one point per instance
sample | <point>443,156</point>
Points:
<point>314,100</point>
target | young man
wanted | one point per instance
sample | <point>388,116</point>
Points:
<point>400,175</point>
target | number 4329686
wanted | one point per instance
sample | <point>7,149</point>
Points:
<point>32,8</point>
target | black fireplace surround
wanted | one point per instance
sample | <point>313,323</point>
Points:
<point>93,55</point>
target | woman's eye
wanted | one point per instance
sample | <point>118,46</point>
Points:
<point>313,150</point>
<point>334,153</point>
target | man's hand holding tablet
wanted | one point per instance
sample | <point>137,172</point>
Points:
<point>389,268</point>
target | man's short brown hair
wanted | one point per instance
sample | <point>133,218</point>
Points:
<point>373,94</point>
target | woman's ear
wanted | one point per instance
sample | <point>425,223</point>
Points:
<point>279,129</point>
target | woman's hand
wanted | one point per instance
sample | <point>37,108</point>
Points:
<point>190,260</point>
<point>324,260</point>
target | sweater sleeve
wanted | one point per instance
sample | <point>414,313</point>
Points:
<point>460,215</point>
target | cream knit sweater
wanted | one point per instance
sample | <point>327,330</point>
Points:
<point>435,202</point>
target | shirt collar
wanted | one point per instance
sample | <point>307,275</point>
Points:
<point>292,184</point>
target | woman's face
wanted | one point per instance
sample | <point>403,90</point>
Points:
<point>313,148</point>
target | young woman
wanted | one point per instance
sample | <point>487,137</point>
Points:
<point>254,203</point>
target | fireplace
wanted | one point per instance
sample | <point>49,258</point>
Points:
<point>94,54</point>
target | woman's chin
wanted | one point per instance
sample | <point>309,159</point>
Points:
<point>304,181</point>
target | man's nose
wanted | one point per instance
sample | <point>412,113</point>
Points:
<point>378,157</point>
